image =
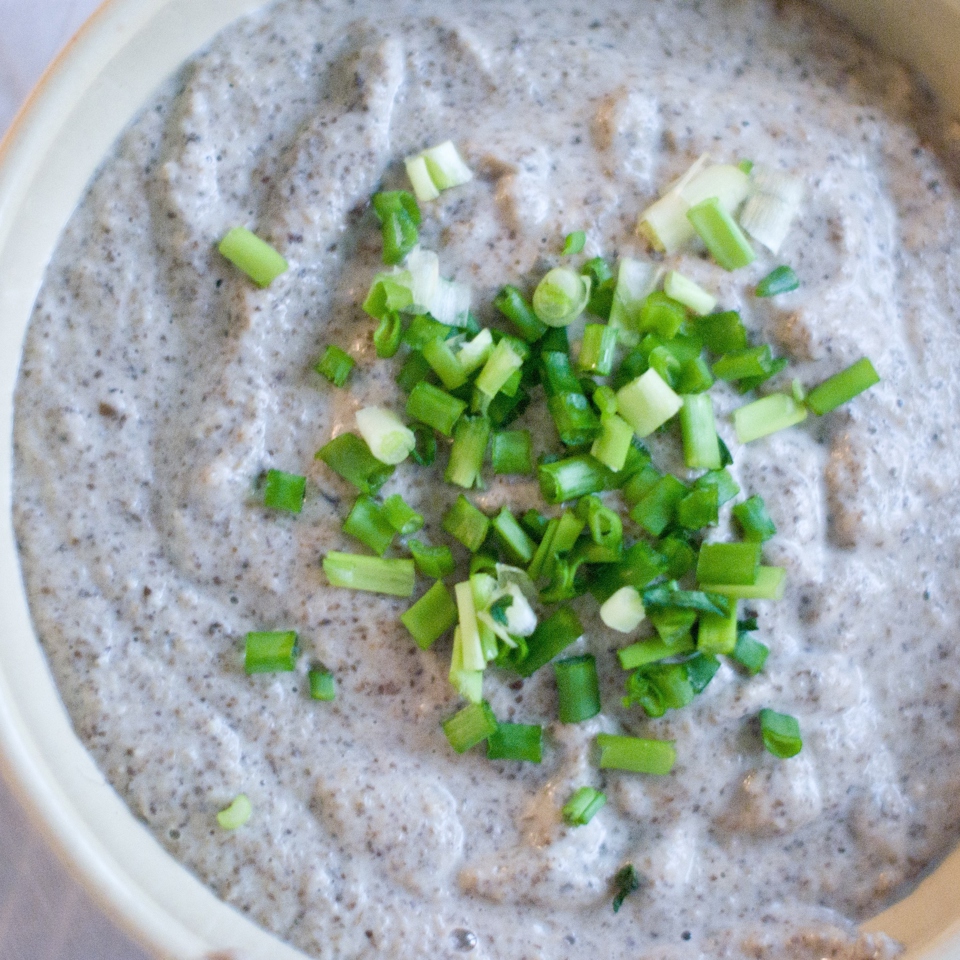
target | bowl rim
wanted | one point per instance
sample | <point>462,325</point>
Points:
<point>46,158</point>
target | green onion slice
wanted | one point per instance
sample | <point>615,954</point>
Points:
<point>842,387</point>
<point>560,297</point>
<point>581,808</point>
<point>578,688</point>
<point>237,814</point>
<point>389,440</point>
<point>516,741</point>
<point>271,651</point>
<point>472,725</point>
<point>431,616</point>
<point>255,257</point>
<point>781,734</point>
<point>323,684</point>
<point>284,491</point>
<point>335,365</point>
<point>780,280</point>
<point>636,754</point>
<point>374,574</point>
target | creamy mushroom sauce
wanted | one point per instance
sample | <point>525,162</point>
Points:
<point>157,384</point>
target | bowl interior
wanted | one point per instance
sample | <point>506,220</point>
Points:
<point>53,149</point>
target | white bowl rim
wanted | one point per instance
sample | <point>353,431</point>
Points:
<point>156,900</point>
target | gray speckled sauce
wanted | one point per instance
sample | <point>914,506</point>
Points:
<point>158,383</point>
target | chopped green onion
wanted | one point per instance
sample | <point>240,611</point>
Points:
<point>503,409</point>
<point>512,452</point>
<point>237,814</point>
<point>742,364</point>
<point>422,329</point>
<point>323,685</point>
<point>707,602</point>
<point>536,523</point>
<point>395,201</point>
<point>425,449</point>
<point>414,369</point>
<point>255,257</point>
<point>573,477</point>
<point>470,439</point>
<point>718,633</point>
<point>335,365</point>
<point>574,418</point>
<point>374,574</point>
<point>465,522</point>
<point>769,585</point>
<point>431,616</point>
<point>578,689</point>
<point>574,243</point>
<point>650,651</point>
<point>722,332</point>
<point>658,509</point>
<point>728,563</point>
<point>472,725</point>
<point>503,362</point>
<point>613,442</point>
<point>699,508</point>
<point>660,687</point>
<point>636,280</point>
<point>754,519</point>
<point>468,683</point>
<point>673,625</point>
<point>557,373</point>
<point>701,669</point>
<point>545,554</point>
<point>436,562</point>
<point>514,307</point>
<point>678,553</point>
<point>605,400</point>
<point>370,524</point>
<point>721,481</point>
<point>402,517</point>
<point>691,295</point>
<point>694,376</point>
<point>476,352</point>
<point>434,407</point>
<point>662,315</point>
<point>516,741</point>
<point>551,637</point>
<point>842,387</point>
<point>473,658</point>
<point>389,293</point>
<point>602,286</point>
<point>700,444</point>
<point>389,440</point>
<point>767,415</point>
<point>270,651</point>
<point>626,881</point>
<point>446,166</point>
<point>350,457</point>
<point>400,236</point>
<point>781,734</point>
<point>598,348</point>
<point>560,297</point>
<point>779,280</point>
<point>636,754</point>
<point>640,565</point>
<point>647,403</point>
<point>719,231</point>
<point>581,808</point>
<point>386,338</point>
<point>518,545</point>
<point>604,524</point>
<point>284,491</point>
<point>444,362</point>
<point>750,653</point>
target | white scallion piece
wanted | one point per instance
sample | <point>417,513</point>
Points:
<point>771,206</point>
<point>729,184</point>
<point>507,575</point>
<point>424,269</point>
<point>503,362</point>
<point>420,179</point>
<point>647,403</point>
<point>690,294</point>
<point>561,296</point>
<point>696,167</point>
<point>636,280</point>
<point>623,611</point>
<point>446,166</point>
<point>473,658</point>
<point>451,303</point>
<point>484,586</point>
<point>388,438</point>
<point>664,223</point>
